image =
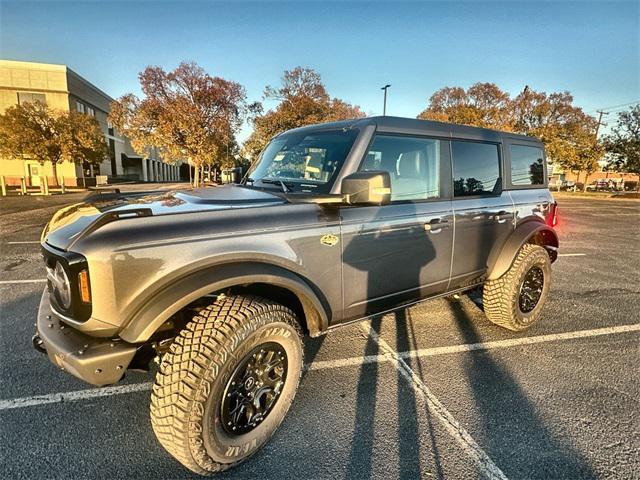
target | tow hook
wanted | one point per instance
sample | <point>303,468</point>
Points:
<point>38,344</point>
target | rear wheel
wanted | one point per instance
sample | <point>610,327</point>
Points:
<point>515,300</point>
<point>227,382</point>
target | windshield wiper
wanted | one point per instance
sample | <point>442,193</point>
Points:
<point>245,180</point>
<point>285,187</point>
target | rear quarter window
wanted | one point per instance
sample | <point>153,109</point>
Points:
<point>527,165</point>
<point>476,168</point>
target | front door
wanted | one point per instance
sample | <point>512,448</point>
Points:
<point>34,174</point>
<point>398,253</point>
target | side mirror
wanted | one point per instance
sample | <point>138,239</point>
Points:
<point>372,187</point>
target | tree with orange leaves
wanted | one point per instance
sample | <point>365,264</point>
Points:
<point>187,114</point>
<point>303,100</point>
<point>568,133</point>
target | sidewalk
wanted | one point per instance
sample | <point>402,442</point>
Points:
<point>629,196</point>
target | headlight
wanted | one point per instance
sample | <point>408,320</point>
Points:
<point>60,285</point>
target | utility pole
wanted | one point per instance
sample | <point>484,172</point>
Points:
<point>384,107</point>
<point>601,113</point>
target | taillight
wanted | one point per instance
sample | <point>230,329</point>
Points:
<point>553,218</point>
<point>83,282</point>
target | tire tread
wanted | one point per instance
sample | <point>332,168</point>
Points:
<point>499,296</point>
<point>182,383</point>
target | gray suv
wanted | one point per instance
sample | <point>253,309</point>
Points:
<point>335,223</point>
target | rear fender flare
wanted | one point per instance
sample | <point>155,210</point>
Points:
<point>160,306</point>
<point>501,258</point>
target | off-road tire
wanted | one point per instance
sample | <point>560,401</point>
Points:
<point>186,397</point>
<point>500,297</point>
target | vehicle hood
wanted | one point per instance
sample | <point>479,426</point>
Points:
<point>70,223</point>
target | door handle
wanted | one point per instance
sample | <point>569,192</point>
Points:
<point>502,216</point>
<point>436,225</point>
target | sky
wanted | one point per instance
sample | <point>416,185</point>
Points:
<point>591,49</point>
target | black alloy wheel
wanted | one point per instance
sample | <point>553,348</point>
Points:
<point>531,289</point>
<point>254,388</point>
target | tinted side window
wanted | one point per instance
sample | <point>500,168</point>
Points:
<point>527,165</point>
<point>476,168</point>
<point>413,165</point>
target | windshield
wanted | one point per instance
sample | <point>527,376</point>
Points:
<point>304,162</point>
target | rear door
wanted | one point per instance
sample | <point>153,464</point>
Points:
<point>484,212</point>
<point>398,253</point>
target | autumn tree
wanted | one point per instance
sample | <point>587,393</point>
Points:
<point>187,114</point>
<point>624,142</point>
<point>568,133</point>
<point>34,131</point>
<point>302,100</point>
<point>481,105</point>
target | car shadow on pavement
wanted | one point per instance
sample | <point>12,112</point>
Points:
<point>408,427</point>
<point>408,424</point>
<point>362,444</point>
<point>513,432</point>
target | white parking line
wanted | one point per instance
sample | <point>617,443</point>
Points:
<point>327,364</point>
<point>615,214</point>
<point>21,243</point>
<point>11,282</point>
<point>455,429</point>
<point>571,254</point>
<point>72,396</point>
<point>516,342</point>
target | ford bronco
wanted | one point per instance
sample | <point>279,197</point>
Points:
<point>334,223</point>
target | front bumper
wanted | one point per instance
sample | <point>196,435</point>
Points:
<point>99,361</point>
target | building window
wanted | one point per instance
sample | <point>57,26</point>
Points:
<point>80,107</point>
<point>476,168</point>
<point>91,111</point>
<point>28,97</point>
<point>527,165</point>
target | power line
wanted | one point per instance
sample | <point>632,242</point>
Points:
<point>615,106</point>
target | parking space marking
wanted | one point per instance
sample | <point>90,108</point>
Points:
<point>72,396</point>
<point>614,214</point>
<point>470,347</point>
<point>34,280</point>
<point>571,254</point>
<point>455,429</point>
<point>327,364</point>
<point>21,243</point>
<point>517,342</point>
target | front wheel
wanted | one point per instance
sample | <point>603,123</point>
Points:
<point>227,382</point>
<point>515,300</point>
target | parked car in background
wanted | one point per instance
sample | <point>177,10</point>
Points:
<point>606,185</point>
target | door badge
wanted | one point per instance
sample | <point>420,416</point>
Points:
<point>329,240</point>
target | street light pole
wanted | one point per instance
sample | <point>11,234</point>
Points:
<point>384,107</point>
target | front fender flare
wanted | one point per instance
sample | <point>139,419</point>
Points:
<point>170,299</point>
<point>501,259</point>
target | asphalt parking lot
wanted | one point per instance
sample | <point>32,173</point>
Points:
<point>435,391</point>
